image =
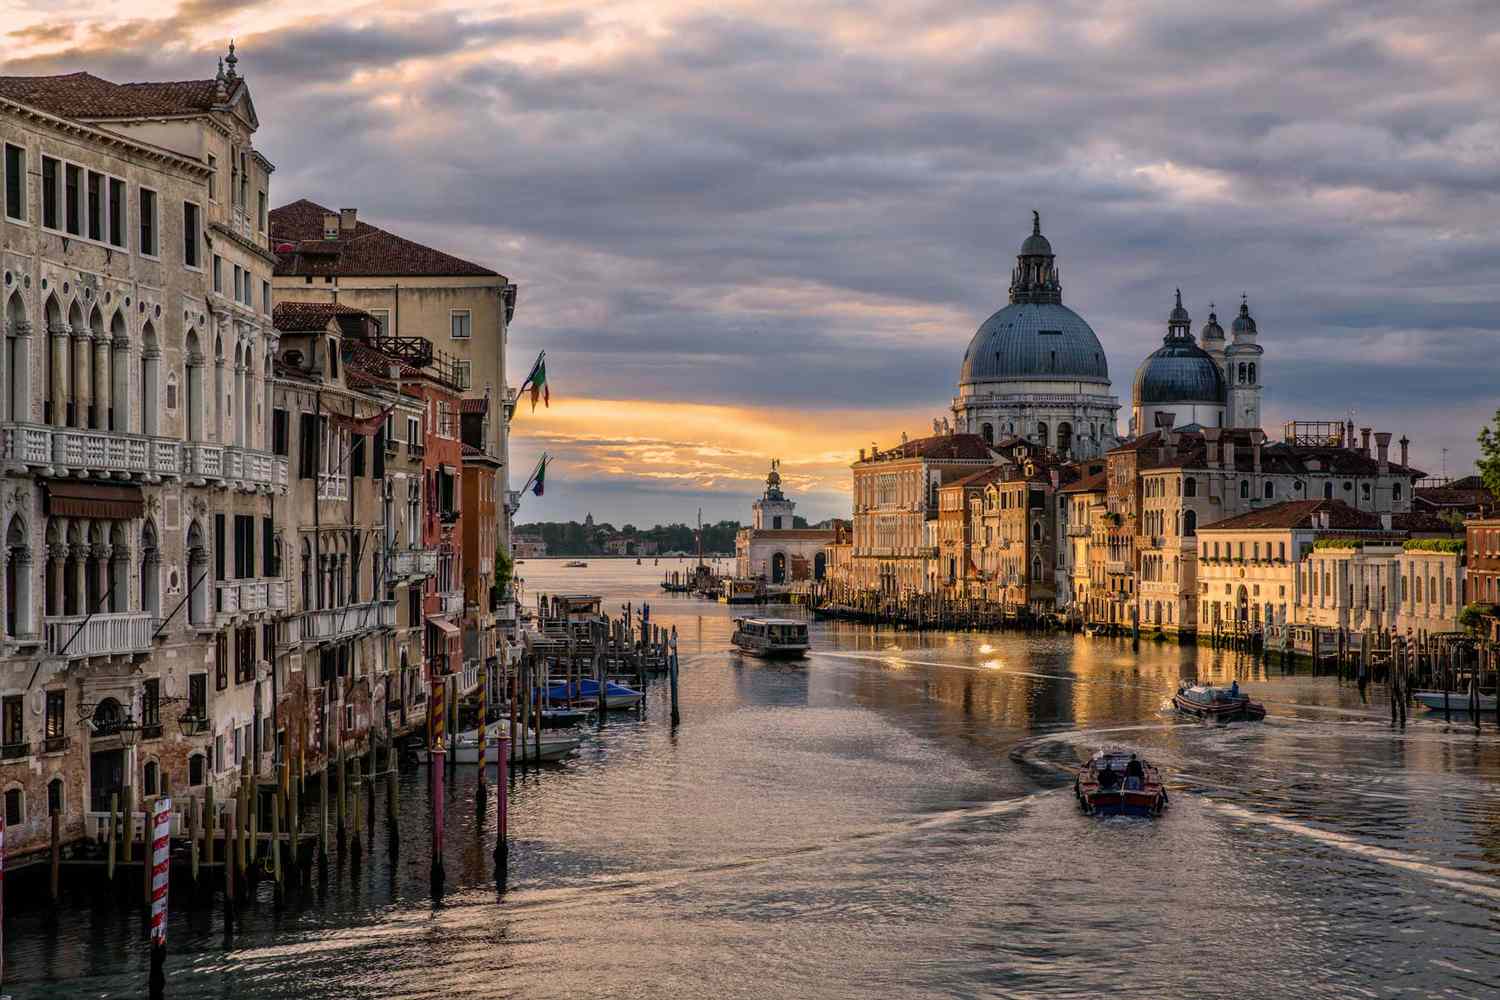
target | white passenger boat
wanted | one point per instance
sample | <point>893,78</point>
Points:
<point>771,637</point>
<point>464,749</point>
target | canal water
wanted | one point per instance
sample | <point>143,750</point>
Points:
<point>893,817</point>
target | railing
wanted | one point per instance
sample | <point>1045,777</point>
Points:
<point>453,602</point>
<point>205,461</point>
<point>15,751</point>
<point>193,724</point>
<point>1115,566</point>
<point>414,562</point>
<point>254,468</point>
<point>99,451</point>
<point>55,744</point>
<point>333,487</point>
<point>470,679</point>
<point>335,623</point>
<point>276,595</point>
<point>289,632</point>
<point>100,635</point>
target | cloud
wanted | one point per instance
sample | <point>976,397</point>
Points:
<point>810,210</point>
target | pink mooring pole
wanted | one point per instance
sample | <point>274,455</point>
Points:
<point>438,794</point>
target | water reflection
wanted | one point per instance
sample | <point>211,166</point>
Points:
<point>891,817</point>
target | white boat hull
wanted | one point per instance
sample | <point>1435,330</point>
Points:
<point>1458,701</point>
<point>555,746</point>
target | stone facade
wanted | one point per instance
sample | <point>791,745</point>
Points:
<point>771,549</point>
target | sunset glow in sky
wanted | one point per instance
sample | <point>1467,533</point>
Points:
<point>769,229</point>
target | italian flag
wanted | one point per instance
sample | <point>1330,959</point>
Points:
<point>540,482</point>
<point>539,385</point>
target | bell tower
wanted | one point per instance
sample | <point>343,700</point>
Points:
<point>1242,363</point>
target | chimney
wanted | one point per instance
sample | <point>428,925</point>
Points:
<point>346,219</point>
<point>1211,441</point>
<point>1383,451</point>
<point>1404,443</point>
<point>330,226</point>
<point>1349,435</point>
<point>1364,438</point>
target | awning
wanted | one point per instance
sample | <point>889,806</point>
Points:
<point>446,627</point>
<point>115,503</point>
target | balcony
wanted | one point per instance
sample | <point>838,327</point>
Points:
<point>413,562</point>
<point>333,487</point>
<point>340,623</point>
<point>202,461</point>
<point>1116,566</point>
<point>78,636</point>
<point>289,632</point>
<point>255,471</point>
<point>236,596</point>
<point>77,451</point>
<point>453,602</point>
<point>55,744</point>
<point>15,751</point>
<point>1078,531</point>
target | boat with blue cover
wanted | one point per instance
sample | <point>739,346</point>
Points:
<point>586,691</point>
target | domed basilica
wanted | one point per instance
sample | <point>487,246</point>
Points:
<point>1204,383</point>
<point>1035,369</point>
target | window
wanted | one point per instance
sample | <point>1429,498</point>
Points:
<point>13,727</point>
<point>1244,489</point>
<point>198,696</point>
<point>116,212</point>
<point>382,319</point>
<point>73,198</point>
<point>190,234</point>
<point>221,661</point>
<point>56,719</point>
<point>270,559</point>
<point>460,321</point>
<point>95,205</point>
<point>279,429</point>
<point>151,771</point>
<point>219,752</point>
<point>1270,490</point>
<point>260,210</point>
<point>307,446</point>
<point>239,284</point>
<point>1395,491</point>
<point>55,796</point>
<point>244,546</point>
<point>148,223</point>
<point>333,357</point>
<point>1190,487</point>
<point>151,705</point>
<point>15,807</point>
<point>413,434</point>
<point>265,297</point>
<point>461,373</point>
<point>357,455</point>
<point>218,272</point>
<point>49,192</point>
<point>244,664</point>
<point>213,177</point>
<point>15,182</point>
<point>195,770</point>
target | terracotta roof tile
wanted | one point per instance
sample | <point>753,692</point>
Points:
<point>1299,514</point>
<point>368,250</point>
<point>311,317</point>
<point>85,96</point>
<point>943,447</point>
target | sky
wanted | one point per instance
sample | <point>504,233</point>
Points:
<point>755,230</point>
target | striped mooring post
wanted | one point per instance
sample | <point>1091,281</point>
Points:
<point>161,868</point>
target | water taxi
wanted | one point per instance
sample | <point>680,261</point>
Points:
<point>1119,783</point>
<point>1222,704</point>
<point>771,637</point>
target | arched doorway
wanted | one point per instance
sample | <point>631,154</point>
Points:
<point>778,568</point>
<point>1242,614</point>
<point>106,766</point>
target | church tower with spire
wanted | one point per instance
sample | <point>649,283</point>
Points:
<point>1242,364</point>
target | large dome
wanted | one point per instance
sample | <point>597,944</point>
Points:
<point>1179,371</point>
<point>1035,341</point>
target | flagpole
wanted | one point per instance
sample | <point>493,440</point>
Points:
<point>532,478</point>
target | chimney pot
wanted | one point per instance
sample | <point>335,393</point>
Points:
<point>330,226</point>
<point>1404,443</point>
<point>1364,440</point>
<point>1383,451</point>
<point>346,219</point>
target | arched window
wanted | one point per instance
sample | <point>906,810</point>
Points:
<point>118,415</point>
<point>987,431</point>
<point>1064,438</point>
<point>150,570</point>
<point>1364,490</point>
<point>95,364</point>
<point>1190,487</point>
<point>1395,491</point>
<point>17,579</point>
<point>75,344</point>
<point>1328,490</point>
<point>149,780</point>
<point>194,396</point>
<point>1036,568</point>
<point>1041,434</point>
<point>150,382</point>
<point>55,802</point>
<point>1242,373</point>
<point>195,770</point>
<point>1036,531</point>
<point>1270,490</point>
<point>17,360</point>
<point>197,573</point>
<point>1252,373</point>
<point>1244,489</point>
<point>1189,522</point>
<point>15,806</point>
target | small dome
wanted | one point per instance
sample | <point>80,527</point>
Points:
<point>1244,323</point>
<point>1212,330</point>
<point>1179,314</point>
<point>1036,244</point>
<point>1179,371</point>
<point>1031,341</point>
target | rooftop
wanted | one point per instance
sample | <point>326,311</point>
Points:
<point>88,97</point>
<point>941,447</point>
<point>363,251</point>
<point>1301,514</point>
<point>312,317</point>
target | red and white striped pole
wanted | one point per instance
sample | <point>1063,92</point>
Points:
<point>161,864</point>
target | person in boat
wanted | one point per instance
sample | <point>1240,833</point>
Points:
<point>1135,769</point>
<point>1107,777</point>
<point>1234,689</point>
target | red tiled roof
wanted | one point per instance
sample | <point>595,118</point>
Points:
<point>1278,458</point>
<point>1299,514</point>
<point>1097,482</point>
<point>311,317</point>
<point>85,96</point>
<point>366,251</point>
<point>943,447</point>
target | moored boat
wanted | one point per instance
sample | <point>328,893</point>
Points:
<point>739,592</point>
<point>464,748</point>
<point>773,638</point>
<point>1458,701</point>
<point>575,564</point>
<point>1222,704</point>
<point>1119,783</point>
<point>587,692</point>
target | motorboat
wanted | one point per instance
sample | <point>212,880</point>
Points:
<point>1222,704</point>
<point>1119,783</point>
<point>587,691</point>
<point>773,638</point>
<point>464,748</point>
<point>575,564</point>
<point>1458,701</point>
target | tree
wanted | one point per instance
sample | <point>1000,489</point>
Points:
<point>1489,456</point>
